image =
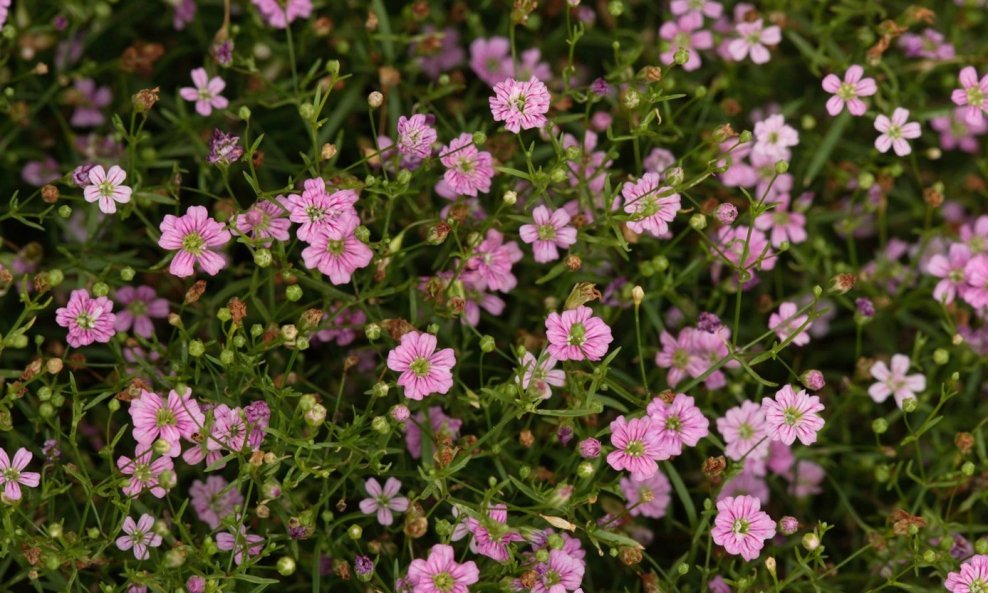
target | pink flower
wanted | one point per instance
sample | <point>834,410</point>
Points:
<point>683,34</point>
<point>107,188</point>
<point>786,322</point>
<point>338,255</point>
<point>13,476</point>
<point>695,10</point>
<point>805,478</point>
<point>792,415</point>
<point>894,381</point>
<point>91,99</point>
<point>895,132</point>
<point>561,573</point>
<point>383,500</point>
<point>415,136</point>
<point>140,305</point>
<point>88,320</point>
<point>648,497</point>
<point>971,578</point>
<point>577,335</point>
<point>752,39</point>
<point>746,483</point>
<point>440,426</point>
<point>975,292</point>
<point>489,268</point>
<point>741,526</point>
<point>171,419</point>
<point>144,473</point>
<point>540,377</point>
<point>441,573</point>
<point>651,207</point>
<point>679,355</point>
<point>783,224</point>
<point>956,133</point>
<point>280,13</point>
<point>424,371</point>
<point>950,268</point>
<point>520,105</point>
<point>492,536</point>
<point>744,430</point>
<point>194,235</point>
<point>848,93</point>
<point>638,447</point>
<point>266,220</point>
<point>468,170</point>
<point>214,500</point>
<point>973,93</point>
<point>773,138</point>
<point>139,536</point>
<point>679,423</point>
<point>206,93</point>
<point>240,542</point>
<point>490,59</point>
<point>551,230</point>
<point>744,250</point>
<point>316,210</point>
<point>929,44</point>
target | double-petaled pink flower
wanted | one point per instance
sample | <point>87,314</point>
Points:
<point>87,319</point>
<point>741,527</point>
<point>848,93</point>
<point>441,573</point>
<point>415,136</point>
<point>679,422</point>
<point>792,415</point>
<point>468,170</point>
<point>638,446</point>
<point>577,335</point>
<point>315,209</point>
<point>196,237</point>
<point>551,229</point>
<point>520,105</point>
<point>336,254</point>
<point>171,419</point>
<point>424,371</point>
<point>971,578</point>
<point>651,206</point>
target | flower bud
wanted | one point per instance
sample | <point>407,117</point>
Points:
<point>380,425</point>
<point>813,379</point>
<point>355,532</point>
<point>479,138</point>
<point>316,415</point>
<point>698,222</point>
<point>487,344</point>
<point>372,331</point>
<point>380,389</point>
<point>510,198</point>
<point>286,566</point>
<point>263,258</point>
<point>880,425</point>
<point>781,167</point>
<point>293,293</point>
<point>196,348</point>
<point>726,213</point>
<point>400,413</point>
<point>585,470</point>
<point>195,584</point>
<point>811,541</point>
<point>788,525</point>
<point>375,99</point>
<point>589,448</point>
<point>637,295</point>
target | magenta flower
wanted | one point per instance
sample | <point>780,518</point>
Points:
<point>383,500</point>
<point>490,59</point>
<point>680,356</point>
<point>975,292</point>
<point>540,377</point>
<point>895,132</point>
<point>787,322</point>
<point>441,573</point>
<point>696,10</point>
<point>316,210</point>
<point>87,319</point>
<point>950,269</point>
<point>206,93</point>
<point>468,170</point>
<point>144,473</point>
<point>848,92</point>
<point>682,34</point>
<point>214,500</point>
<point>651,207</point>
<point>338,255</point>
<point>741,527</point>
<point>792,415</point>
<point>971,578</point>
<point>172,418</point>
<point>107,188</point>
<point>551,230</point>
<point>424,371</point>
<point>973,93</point>
<point>744,430</point>
<point>415,136</point>
<point>13,476</point>
<point>752,38</point>
<point>894,381</point>
<point>240,542</point>
<point>139,536</point>
<point>637,447</point>
<point>194,235</point>
<point>265,221</point>
<point>520,105</point>
<point>680,422</point>
<point>492,536</point>
<point>577,335</point>
<point>140,305</point>
<point>562,572</point>
<point>648,497</point>
<point>489,268</point>
<point>281,13</point>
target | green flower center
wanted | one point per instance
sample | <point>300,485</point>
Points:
<point>204,94</point>
<point>421,366</point>
<point>673,423</point>
<point>895,132</point>
<point>740,526</point>
<point>519,102</point>
<point>680,358</point>
<point>11,474</point>
<point>551,578</point>
<point>547,232</point>
<point>443,581</point>
<point>334,247</point>
<point>978,586</point>
<point>138,308</point>
<point>635,449</point>
<point>975,96</point>
<point>165,417</point>
<point>577,334</point>
<point>847,91</point>
<point>106,188</point>
<point>792,416</point>
<point>314,213</point>
<point>142,472</point>
<point>193,243</point>
<point>746,431</point>
<point>85,321</point>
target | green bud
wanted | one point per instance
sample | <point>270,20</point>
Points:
<point>355,532</point>
<point>744,137</point>
<point>880,425</point>
<point>682,568</point>
<point>307,111</point>
<point>286,566</point>
<point>244,113</point>
<point>293,293</point>
<point>380,424</point>
<point>101,289</point>
<point>224,314</point>
<point>432,328</point>
<point>239,341</point>
<point>93,533</point>
<point>227,357</point>
<point>306,402</point>
<point>196,348</point>
<point>55,530</point>
<point>781,167</point>
<point>808,122</point>
<point>585,470</point>
<point>557,175</point>
<point>479,138</point>
<point>910,405</point>
<point>113,405</point>
<point>929,556</point>
<point>162,446</point>
<point>333,67</point>
<point>681,56</point>
<point>372,331</point>
<point>263,258</point>
<point>256,330</point>
<point>362,233</point>
<point>404,177</point>
<point>542,555</point>
<point>968,468</point>
<point>698,222</point>
<point>981,546</point>
<point>127,274</point>
<point>380,389</point>
<point>882,473</point>
<point>487,344</point>
<point>941,356</point>
<point>444,528</point>
<point>46,410</point>
<point>316,415</point>
<point>615,8</point>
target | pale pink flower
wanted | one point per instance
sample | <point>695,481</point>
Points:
<point>280,13</point>
<point>787,322</point>
<point>973,93</point>
<point>648,497</point>
<point>792,415</point>
<point>316,210</point>
<point>144,472</point>
<point>540,377</point>
<point>265,221</point>
<point>746,483</point>
<point>975,292</point>
<point>468,170</point>
<point>139,536</point>
<point>950,269</point>
<point>782,224</point>
<point>338,255</point>
<point>424,371</point>
<point>205,93</point>
<point>849,92</point>
<point>563,572</point>
<point>752,38</point>
<point>971,578</point>
<point>441,573</point>
<point>240,542</point>
<point>140,304</point>
<point>107,188</point>
<point>415,136</point>
<point>577,335</point>
<point>637,447</point>
<point>680,422</point>
<point>214,500</point>
<point>87,319</point>
<point>683,34</point>
<point>696,10</point>
<point>651,206</point>
<point>520,105</point>
<point>490,59</point>
<point>773,139</point>
<point>744,430</point>
<point>13,476</point>
<point>551,230</point>
<point>195,236</point>
<point>679,355</point>
<point>489,268</point>
<point>805,478</point>
<point>172,418</point>
<point>894,381</point>
<point>492,536</point>
<point>741,527</point>
<point>383,500</point>
<point>895,132</point>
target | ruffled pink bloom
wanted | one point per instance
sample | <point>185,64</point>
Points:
<point>205,93</point>
<point>792,415</point>
<point>490,59</point>
<point>744,430</point>
<point>266,221</point>
<point>13,476</point>
<point>195,236</point>
<point>214,500</point>
<point>752,39</point>
<point>637,447</point>
<point>241,543</point>
<point>140,304</point>
<point>971,578</point>
<point>680,422</point>
<point>773,139</point>
<point>560,574</point>
<point>383,500</point>
<point>87,319</point>
<point>683,34</point>
<point>139,536</point>
<point>975,292</point>
<point>520,105</point>
<point>489,537</point>
<point>540,377</point>
<point>747,483</point>
<point>973,94</point>
<point>894,381</point>
<point>805,478</point>
<point>651,207</point>
<point>172,418</point>
<point>648,497</point>
<point>489,268</point>
<point>895,132</point>
<point>741,527</point>
<point>468,170</point>
<point>424,371</point>
<point>441,573</point>
<point>415,136</point>
<point>679,355</point>
<point>315,210</point>
<point>106,187</point>
<point>281,13</point>
<point>551,230</point>
<point>577,335</point>
<point>338,255</point>
<point>950,269</point>
<point>787,322</point>
<point>849,92</point>
<point>144,473</point>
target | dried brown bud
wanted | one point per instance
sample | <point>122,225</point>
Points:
<point>349,362</point>
<point>526,438</point>
<point>444,456</point>
<point>933,197</point>
<point>341,568</point>
<point>322,26</point>
<point>841,283</point>
<point>328,151</point>
<point>372,22</point>
<point>904,523</point>
<point>263,511</point>
<point>582,293</point>
<point>714,468</point>
<point>145,99</point>
<point>651,74</point>
<point>389,76</point>
<point>238,310</point>
<point>49,193</point>
<point>630,556</point>
<point>573,262</point>
<point>396,328</point>
<point>54,366</point>
<point>964,442</point>
<point>195,291</point>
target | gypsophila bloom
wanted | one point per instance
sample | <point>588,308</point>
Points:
<point>752,38</point>
<point>849,92</point>
<point>424,371</point>
<point>637,445</point>
<point>577,335</point>
<point>561,573</point>
<point>971,578</point>
<point>551,230</point>
<point>787,322</point>
<point>973,94</point>
<point>139,536</point>
<point>441,573</point>
<point>894,381</point>
<point>224,148</point>
<point>195,236</point>
<point>950,268</point>
<point>106,187</point>
<point>140,305</point>
<point>741,527</point>
<point>383,500</point>
<point>415,136</point>
<point>144,472</point>
<point>773,139</point>
<point>520,105</point>
<point>281,13</point>
<point>540,377</point>
<point>492,536</point>
<point>242,544</point>
<point>651,207</point>
<point>87,319</point>
<point>315,210</point>
<point>895,132</point>
<point>744,430</point>
<point>468,170</point>
<point>792,415</point>
<point>696,10</point>
<point>13,476</point>
<point>649,497</point>
<point>205,93</point>
<point>266,221</point>
<point>214,500</point>
<point>589,448</point>
<point>172,418</point>
<point>680,422</point>
<point>338,255</point>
